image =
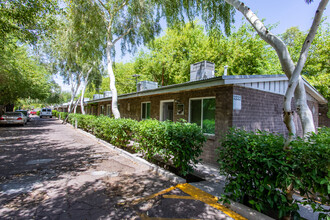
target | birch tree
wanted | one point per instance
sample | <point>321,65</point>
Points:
<point>216,12</point>
<point>130,22</point>
<point>296,87</point>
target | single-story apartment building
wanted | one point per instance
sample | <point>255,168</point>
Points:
<point>214,103</point>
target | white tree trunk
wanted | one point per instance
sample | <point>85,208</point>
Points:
<point>296,83</point>
<point>72,93</point>
<point>75,106</point>
<point>74,90</point>
<point>82,100</point>
<point>83,89</point>
<point>113,89</point>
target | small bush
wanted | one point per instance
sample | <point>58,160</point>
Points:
<point>63,115</point>
<point>55,113</point>
<point>258,170</point>
<point>180,142</point>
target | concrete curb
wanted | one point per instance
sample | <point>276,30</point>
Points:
<point>247,212</point>
<point>158,170</point>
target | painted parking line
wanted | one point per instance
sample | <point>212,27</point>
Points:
<point>209,199</point>
<point>153,196</point>
<point>194,194</point>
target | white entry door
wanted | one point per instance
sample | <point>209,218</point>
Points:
<point>166,110</point>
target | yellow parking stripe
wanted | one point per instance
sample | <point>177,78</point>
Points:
<point>195,194</point>
<point>208,199</point>
<point>177,197</point>
<point>153,196</point>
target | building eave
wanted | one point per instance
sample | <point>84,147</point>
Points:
<point>211,82</point>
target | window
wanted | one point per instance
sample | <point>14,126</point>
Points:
<point>202,112</point>
<point>145,110</point>
<point>166,110</point>
<point>102,110</point>
<point>109,110</point>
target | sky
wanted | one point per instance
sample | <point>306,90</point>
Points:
<point>284,13</point>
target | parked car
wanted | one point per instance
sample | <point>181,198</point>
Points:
<point>26,113</point>
<point>9,118</point>
<point>33,112</point>
<point>46,112</point>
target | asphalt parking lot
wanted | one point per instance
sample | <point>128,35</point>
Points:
<point>50,171</point>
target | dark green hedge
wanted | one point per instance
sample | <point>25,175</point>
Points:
<point>259,171</point>
<point>179,142</point>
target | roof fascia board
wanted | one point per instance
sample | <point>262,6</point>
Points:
<point>252,80</point>
<point>217,81</point>
<point>186,87</point>
<point>314,93</point>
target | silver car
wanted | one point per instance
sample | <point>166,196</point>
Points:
<point>11,118</point>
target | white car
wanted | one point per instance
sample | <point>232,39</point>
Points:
<point>9,118</point>
<point>46,112</point>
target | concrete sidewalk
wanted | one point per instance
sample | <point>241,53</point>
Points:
<point>213,184</point>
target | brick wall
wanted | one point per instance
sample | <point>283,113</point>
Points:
<point>323,118</point>
<point>264,111</point>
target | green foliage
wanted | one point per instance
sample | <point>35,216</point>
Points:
<point>259,171</point>
<point>179,142</point>
<point>169,57</point>
<point>214,13</point>
<point>125,83</point>
<point>55,113</point>
<point>63,115</point>
<point>317,67</point>
<point>21,76</point>
<point>115,131</point>
<point>208,126</point>
<point>25,20</point>
<point>311,165</point>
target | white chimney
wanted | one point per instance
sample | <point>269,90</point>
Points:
<point>225,71</point>
<point>201,70</point>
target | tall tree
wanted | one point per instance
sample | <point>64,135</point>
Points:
<point>22,76</point>
<point>168,58</point>
<point>130,21</point>
<point>77,53</point>
<point>25,20</point>
<point>296,85</point>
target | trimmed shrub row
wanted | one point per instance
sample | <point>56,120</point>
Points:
<point>259,171</point>
<point>178,142</point>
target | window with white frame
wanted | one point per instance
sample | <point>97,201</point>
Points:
<point>109,110</point>
<point>202,112</point>
<point>145,110</point>
<point>102,110</point>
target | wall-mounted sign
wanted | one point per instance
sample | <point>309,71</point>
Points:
<point>237,102</point>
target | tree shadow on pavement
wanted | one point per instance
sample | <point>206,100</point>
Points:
<point>102,198</point>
